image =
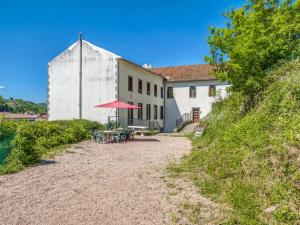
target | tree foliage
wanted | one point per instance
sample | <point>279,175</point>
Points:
<point>21,106</point>
<point>256,36</point>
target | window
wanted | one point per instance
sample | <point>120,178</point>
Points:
<point>130,115</point>
<point>140,111</point>
<point>170,92</point>
<point>148,88</point>
<point>155,112</point>
<point>130,83</point>
<point>162,92</point>
<point>161,112</point>
<point>212,91</point>
<point>155,90</point>
<point>192,92</point>
<point>140,86</point>
<point>148,115</point>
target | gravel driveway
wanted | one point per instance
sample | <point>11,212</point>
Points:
<point>94,184</point>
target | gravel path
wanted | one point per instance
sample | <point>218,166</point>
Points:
<point>94,184</point>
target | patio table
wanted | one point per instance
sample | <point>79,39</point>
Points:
<point>109,134</point>
<point>141,128</point>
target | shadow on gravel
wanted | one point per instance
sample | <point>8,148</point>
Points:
<point>146,140</point>
<point>46,162</point>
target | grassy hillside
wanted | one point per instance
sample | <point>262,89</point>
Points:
<point>251,162</point>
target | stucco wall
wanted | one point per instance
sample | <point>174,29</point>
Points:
<point>127,69</point>
<point>182,103</point>
<point>99,83</point>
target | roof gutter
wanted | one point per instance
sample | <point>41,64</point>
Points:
<point>175,81</point>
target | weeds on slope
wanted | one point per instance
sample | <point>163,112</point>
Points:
<point>250,162</point>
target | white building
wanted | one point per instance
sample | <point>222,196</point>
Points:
<point>164,94</point>
<point>190,92</point>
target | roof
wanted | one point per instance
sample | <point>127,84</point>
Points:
<point>101,50</point>
<point>8,115</point>
<point>105,53</point>
<point>186,73</point>
<point>196,72</point>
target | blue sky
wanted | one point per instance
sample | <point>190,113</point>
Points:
<point>158,32</point>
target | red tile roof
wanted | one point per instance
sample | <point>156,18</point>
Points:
<point>186,73</point>
<point>8,115</point>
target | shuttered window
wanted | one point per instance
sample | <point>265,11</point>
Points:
<point>140,111</point>
<point>192,92</point>
<point>212,91</point>
<point>161,112</point>
<point>148,112</point>
<point>155,90</point>
<point>170,92</point>
<point>148,88</point>
<point>130,83</point>
<point>140,86</point>
<point>155,112</point>
<point>162,92</point>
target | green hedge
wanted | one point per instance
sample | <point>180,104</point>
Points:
<point>6,136</point>
<point>32,140</point>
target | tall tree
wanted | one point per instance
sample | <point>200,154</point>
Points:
<point>256,36</point>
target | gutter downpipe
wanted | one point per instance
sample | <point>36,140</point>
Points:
<point>118,91</point>
<point>165,85</point>
<point>80,75</point>
<point>48,90</point>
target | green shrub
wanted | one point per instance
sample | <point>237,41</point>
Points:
<point>32,140</point>
<point>6,136</point>
<point>150,132</point>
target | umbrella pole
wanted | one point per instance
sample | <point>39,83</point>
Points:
<point>116,117</point>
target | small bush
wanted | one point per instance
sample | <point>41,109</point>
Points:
<point>150,132</point>
<point>6,135</point>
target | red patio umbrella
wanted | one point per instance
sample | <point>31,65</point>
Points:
<point>117,105</point>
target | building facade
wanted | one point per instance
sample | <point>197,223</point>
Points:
<point>165,95</point>
<point>190,93</point>
<point>143,88</point>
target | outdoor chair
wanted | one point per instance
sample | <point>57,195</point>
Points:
<point>119,137</point>
<point>128,134</point>
<point>92,135</point>
<point>123,136</point>
<point>98,136</point>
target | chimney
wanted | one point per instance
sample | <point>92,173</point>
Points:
<point>147,66</point>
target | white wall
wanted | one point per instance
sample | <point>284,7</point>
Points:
<point>63,83</point>
<point>182,103</point>
<point>127,69</point>
<point>99,83</point>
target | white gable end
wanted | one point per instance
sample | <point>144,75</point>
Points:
<point>99,82</point>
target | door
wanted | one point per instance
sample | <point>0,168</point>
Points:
<point>196,115</point>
